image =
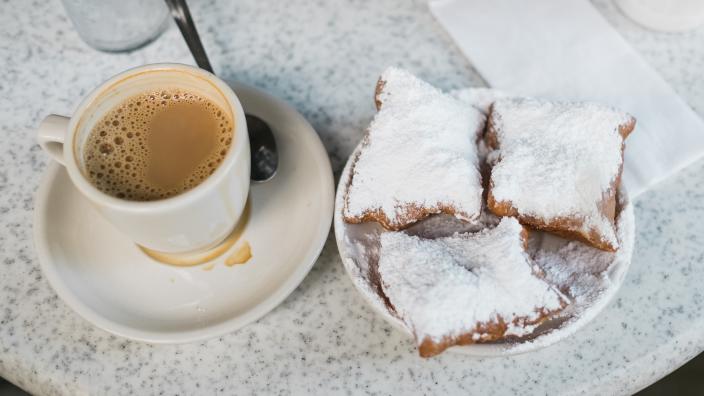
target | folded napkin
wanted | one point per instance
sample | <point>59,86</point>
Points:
<point>567,50</point>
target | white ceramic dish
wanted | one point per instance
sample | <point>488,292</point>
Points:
<point>356,245</point>
<point>111,283</point>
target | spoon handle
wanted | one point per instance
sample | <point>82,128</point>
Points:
<point>182,17</point>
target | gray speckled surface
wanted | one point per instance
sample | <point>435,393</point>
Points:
<point>324,57</point>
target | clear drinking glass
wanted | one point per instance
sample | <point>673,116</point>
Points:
<point>118,25</point>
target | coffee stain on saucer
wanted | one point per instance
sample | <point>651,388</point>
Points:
<point>240,256</point>
<point>192,259</point>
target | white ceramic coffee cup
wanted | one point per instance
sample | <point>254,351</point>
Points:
<point>194,220</point>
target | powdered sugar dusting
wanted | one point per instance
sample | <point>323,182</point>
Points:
<point>448,286</point>
<point>587,276</point>
<point>557,160</point>
<point>480,98</point>
<point>419,152</point>
<point>590,277</point>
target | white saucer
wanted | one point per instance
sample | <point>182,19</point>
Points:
<point>358,246</point>
<point>111,283</point>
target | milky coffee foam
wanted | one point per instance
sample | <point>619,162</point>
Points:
<point>157,144</point>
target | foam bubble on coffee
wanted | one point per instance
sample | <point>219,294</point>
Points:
<point>157,144</point>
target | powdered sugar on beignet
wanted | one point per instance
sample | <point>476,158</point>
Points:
<point>418,158</point>
<point>557,166</point>
<point>479,97</point>
<point>465,288</point>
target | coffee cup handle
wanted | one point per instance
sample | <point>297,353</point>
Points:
<point>51,135</point>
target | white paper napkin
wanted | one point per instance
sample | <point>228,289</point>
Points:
<point>567,50</point>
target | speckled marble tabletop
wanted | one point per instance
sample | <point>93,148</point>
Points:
<point>323,57</point>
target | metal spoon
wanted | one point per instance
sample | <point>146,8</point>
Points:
<point>265,158</point>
